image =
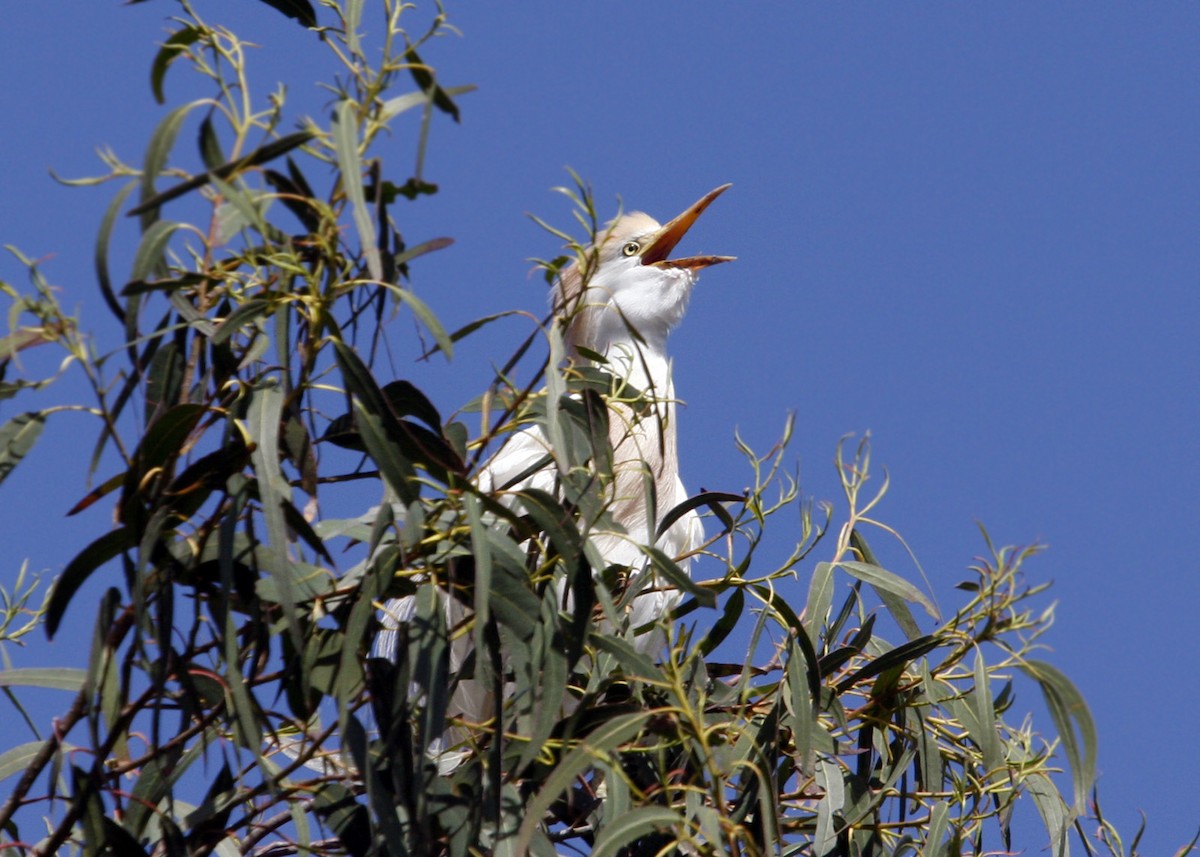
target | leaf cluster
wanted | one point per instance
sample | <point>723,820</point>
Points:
<point>234,699</point>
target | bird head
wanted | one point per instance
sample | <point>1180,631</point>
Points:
<point>628,279</point>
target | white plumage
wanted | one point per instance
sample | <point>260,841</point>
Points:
<point>635,295</point>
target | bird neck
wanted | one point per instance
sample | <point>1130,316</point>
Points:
<point>642,363</point>
<point>642,429</point>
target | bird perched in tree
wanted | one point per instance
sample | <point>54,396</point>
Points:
<point>618,302</point>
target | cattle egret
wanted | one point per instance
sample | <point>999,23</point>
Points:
<point>621,305</point>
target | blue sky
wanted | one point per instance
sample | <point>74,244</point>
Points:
<point>970,229</point>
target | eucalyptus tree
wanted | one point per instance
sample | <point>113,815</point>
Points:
<point>803,702</point>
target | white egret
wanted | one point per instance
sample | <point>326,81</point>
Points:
<point>622,306</point>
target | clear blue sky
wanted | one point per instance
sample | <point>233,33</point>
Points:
<point>971,229</point>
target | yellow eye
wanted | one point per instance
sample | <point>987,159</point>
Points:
<point>631,249</point>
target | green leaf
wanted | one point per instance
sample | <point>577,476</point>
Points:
<point>423,75</point>
<point>710,499</point>
<point>296,195</point>
<point>634,664</point>
<point>162,443</point>
<point>393,107</point>
<point>157,777</point>
<point>86,796</point>
<point>171,49</point>
<point>829,777</point>
<point>163,381</point>
<point>555,521</point>
<point>16,759</point>
<point>345,146</point>
<point>348,819</point>
<point>100,254</point>
<point>1074,723</point>
<point>599,744</point>
<point>210,146</point>
<point>1055,815</point>
<point>155,160</point>
<point>376,424</point>
<point>250,311</point>
<point>780,605</point>
<point>107,547</point>
<point>263,422</point>
<point>667,568</point>
<point>820,599</point>
<point>901,656</point>
<point>894,604</point>
<point>481,547</point>
<point>406,400</point>
<point>802,700</point>
<point>427,318</point>
<point>17,437</point>
<point>548,679</point>
<point>261,155</point>
<point>883,579</point>
<point>208,819</point>
<point>298,10</point>
<point>430,246</point>
<point>429,652</point>
<point>242,209</point>
<point>510,599</point>
<point>935,833</point>
<point>631,826</point>
<point>981,722</point>
<point>730,617</point>
<point>353,18</point>
<point>152,249</point>
<point>56,678</point>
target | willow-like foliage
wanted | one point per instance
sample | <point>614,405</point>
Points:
<point>806,701</point>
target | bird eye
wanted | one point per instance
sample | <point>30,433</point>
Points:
<point>631,249</point>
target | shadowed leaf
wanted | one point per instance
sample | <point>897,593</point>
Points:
<point>171,49</point>
<point>17,437</point>
<point>263,154</point>
<point>107,547</point>
<point>299,10</point>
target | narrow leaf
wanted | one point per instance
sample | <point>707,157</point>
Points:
<point>157,152</point>
<point>298,10</point>
<point>152,248</point>
<point>884,579</point>
<point>345,146</point>
<point>16,759</point>
<point>251,310</point>
<point>1074,723</point>
<point>983,731</point>
<point>426,316</point>
<point>423,75</point>
<point>800,701</point>
<point>1055,815</point>
<point>820,599</point>
<point>171,49</point>
<point>100,254</point>
<point>599,744</point>
<point>263,420</point>
<point>710,499</point>
<point>261,155</point>
<point>103,549</point>
<point>56,678</point>
<point>631,826</point>
<point>376,424</point>
<point>901,656</point>
<point>666,567</point>
<point>17,437</point>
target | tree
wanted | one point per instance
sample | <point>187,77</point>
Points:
<point>248,386</point>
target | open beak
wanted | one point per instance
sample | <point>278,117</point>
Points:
<point>664,241</point>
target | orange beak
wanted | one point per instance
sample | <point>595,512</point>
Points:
<point>665,240</point>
